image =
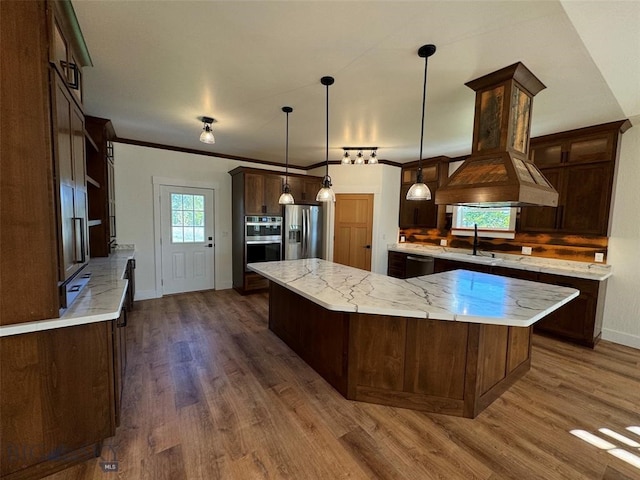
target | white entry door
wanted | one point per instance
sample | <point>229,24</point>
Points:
<point>187,235</point>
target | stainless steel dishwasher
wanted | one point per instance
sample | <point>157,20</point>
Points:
<point>418,265</point>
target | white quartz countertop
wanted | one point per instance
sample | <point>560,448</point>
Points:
<point>588,271</point>
<point>101,299</point>
<point>458,295</point>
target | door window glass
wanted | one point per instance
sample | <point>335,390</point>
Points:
<point>187,218</point>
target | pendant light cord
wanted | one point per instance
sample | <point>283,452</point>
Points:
<point>286,155</point>
<point>424,101</point>
<point>326,150</point>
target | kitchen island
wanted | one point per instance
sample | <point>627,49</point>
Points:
<point>447,343</point>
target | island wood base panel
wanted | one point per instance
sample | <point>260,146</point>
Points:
<point>454,368</point>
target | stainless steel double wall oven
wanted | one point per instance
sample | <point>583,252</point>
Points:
<point>262,239</point>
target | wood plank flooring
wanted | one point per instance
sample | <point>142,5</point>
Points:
<point>211,393</point>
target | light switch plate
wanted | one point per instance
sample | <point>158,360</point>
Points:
<point>599,257</point>
<point>443,242</point>
<point>526,250</point>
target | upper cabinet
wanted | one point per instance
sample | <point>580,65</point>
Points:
<point>261,193</point>
<point>423,213</point>
<point>43,189</point>
<point>581,165</point>
<point>67,51</point>
<point>69,157</point>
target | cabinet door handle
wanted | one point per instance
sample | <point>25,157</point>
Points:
<point>560,217</point>
<point>81,239</point>
<point>75,82</point>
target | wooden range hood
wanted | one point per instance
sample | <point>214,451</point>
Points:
<point>498,172</point>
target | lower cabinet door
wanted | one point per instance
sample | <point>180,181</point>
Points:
<point>56,398</point>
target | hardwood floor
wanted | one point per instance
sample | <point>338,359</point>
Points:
<point>211,393</point>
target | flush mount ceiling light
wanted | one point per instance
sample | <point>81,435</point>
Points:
<point>360,158</point>
<point>207,134</point>
<point>326,194</point>
<point>286,198</point>
<point>419,191</point>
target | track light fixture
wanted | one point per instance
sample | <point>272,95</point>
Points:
<point>207,134</point>
<point>360,158</point>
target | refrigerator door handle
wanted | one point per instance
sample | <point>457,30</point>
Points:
<point>305,233</point>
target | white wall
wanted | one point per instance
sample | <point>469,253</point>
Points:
<point>383,181</point>
<point>134,168</point>
<point>622,305</point>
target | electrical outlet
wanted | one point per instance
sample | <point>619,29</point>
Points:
<point>443,242</point>
<point>526,250</point>
<point>402,238</point>
<point>599,257</point>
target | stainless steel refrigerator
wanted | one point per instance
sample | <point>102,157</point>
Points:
<point>302,232</point>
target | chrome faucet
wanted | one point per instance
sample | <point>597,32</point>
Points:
<point>475,239</point>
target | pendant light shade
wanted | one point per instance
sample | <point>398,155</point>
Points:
<point>420,191</point>
<point>286,198</point>
<point>326,194</point>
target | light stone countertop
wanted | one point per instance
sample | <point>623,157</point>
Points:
<point>100,300</point>
<point>458,295</point>
<point>588,271</point>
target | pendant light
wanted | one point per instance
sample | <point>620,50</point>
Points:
<point>286,198</point>
<point>419,191</point>
<point>207,134</point>
<point>326,194</point>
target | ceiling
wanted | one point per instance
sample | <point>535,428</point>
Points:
<point>160,65</point>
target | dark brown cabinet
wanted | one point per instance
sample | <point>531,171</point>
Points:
<point>57,398</point>
<point>304,189</point>
<point>261,194</point>
<point>100,186</point>
<point>72,200</point>
<point>580,164</point>
<point>119,339</point>
<point>397,264</point>
<point>444,265</point>
<point>579,321</point>
<point>424,213</point>
<point>43,182</point>
<point>130,275</point>
<point>256,192</point>
<point>56,385</point>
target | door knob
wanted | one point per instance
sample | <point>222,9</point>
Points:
<point>210,245</point>
<point>368,246</point>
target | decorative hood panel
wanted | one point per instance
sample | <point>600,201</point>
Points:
<point>498,172</point>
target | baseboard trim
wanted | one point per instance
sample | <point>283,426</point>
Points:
<point>151,294</point>
<point>622,338</point>
<point>146,295</point>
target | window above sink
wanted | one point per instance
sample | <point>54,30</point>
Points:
<point>493,222</point>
